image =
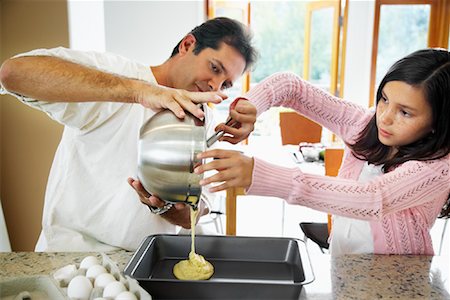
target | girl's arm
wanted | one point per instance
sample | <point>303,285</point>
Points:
<point>412,184</point>
<point>288,90</point>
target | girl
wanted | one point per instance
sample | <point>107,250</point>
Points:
<point>394,179</point>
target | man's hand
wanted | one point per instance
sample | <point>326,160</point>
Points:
<point>179,214</point>
<point>245,113</point>
<point>158,97</point>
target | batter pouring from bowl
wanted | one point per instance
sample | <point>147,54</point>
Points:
<point>196,267</point>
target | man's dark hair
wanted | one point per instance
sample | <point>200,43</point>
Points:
<point>233,33</point>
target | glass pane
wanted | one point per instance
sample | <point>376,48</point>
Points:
<point>231,12</point>
<point>279,30</point>
<point>321,47</point>
<point>280,46</point>
<point>279,34</point>
<point>403,29</point>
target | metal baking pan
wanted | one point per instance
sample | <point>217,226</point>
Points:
<point>244,267</point>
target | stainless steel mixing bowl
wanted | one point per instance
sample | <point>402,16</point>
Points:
<point>167,152</point>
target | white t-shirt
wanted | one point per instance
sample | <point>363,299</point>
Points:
<point>89,205</point>
<point>352,235</point>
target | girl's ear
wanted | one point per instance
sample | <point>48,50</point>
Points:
<point>188,42</point>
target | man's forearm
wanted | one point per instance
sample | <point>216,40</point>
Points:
<point>53,79</point>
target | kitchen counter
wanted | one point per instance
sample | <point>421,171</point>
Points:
<point>345,277</point>
<point>368,276</point>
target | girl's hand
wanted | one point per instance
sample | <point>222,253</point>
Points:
<point>158,97</point>
<point>245,113</point>
<point>234,169</point>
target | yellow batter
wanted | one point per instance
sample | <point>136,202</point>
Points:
<point>196,267</point>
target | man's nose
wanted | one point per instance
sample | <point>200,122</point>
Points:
<point>215,84</point>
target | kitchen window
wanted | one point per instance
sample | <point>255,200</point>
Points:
<point>328,43</point>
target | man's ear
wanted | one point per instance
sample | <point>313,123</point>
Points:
<point>186,43</point>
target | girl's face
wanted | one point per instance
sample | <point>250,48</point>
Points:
<point>403,114</point>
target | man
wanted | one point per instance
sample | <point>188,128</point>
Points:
<point>103,99</point>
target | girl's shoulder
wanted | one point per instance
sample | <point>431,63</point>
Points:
<point>441,165</point>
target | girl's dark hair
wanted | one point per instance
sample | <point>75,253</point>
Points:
<point>213,32</point>
<point>428,69</point>
<point>445,212</point>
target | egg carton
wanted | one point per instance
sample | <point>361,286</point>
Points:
<point>31,287</point>
<point>91,280</point>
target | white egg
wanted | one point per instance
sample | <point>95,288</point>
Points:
<point>113,289</point>
<point>65,274</point>
<point>126,296</point>
<point>79,288</point>
<point>103,280</point>
<point>95,270</point>
<point>88,262</point>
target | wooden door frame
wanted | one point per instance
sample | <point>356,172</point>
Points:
<point>311,7</point>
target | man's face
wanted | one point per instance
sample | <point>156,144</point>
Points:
<point>209,70</point>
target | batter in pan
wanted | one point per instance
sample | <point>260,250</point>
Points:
<point>196,267</point>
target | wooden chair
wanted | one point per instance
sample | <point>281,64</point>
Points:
<point>319,232</point>
<point>333,161</point>
<point>296,128</point>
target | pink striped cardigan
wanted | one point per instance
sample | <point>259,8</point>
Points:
<point>401,205</point>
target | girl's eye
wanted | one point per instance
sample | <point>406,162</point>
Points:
<point>405,113</point>
<point>384,99</point>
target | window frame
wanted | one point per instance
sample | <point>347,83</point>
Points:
<point>437,30</point>
<point>334,71</point>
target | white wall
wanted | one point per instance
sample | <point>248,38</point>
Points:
<point>145,30</point>
<point>359,51</point>
<point>86,25</point>
<point>148,30</point>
